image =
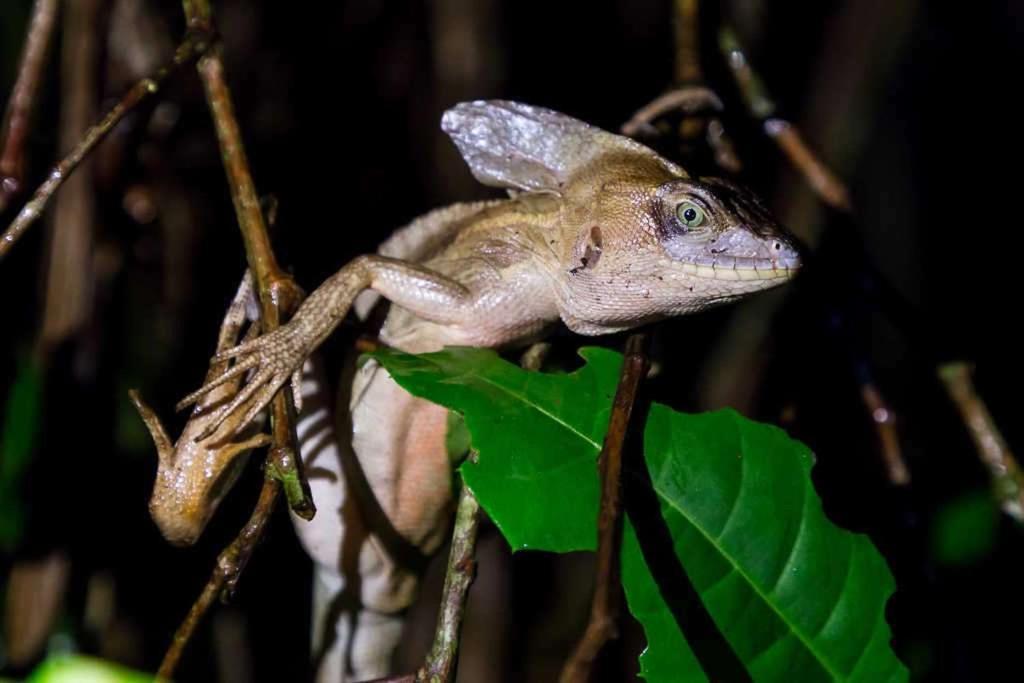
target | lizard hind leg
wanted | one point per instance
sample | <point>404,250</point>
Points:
<point>357,602</point>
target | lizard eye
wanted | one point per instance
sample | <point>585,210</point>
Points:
<point>690,215</point>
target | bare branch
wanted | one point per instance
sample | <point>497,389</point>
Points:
<point>443,657</point>
<point>224,578</point>
<point>193,45</point>
<point>688,99</point>
<point>687,41</point>
<point>888,436</point>
<point>279,296</point>
<point>70,271</point>
<point>761,106</point>
<point>604,611</point>
<point>18,119</point>
<point>1007,477</point>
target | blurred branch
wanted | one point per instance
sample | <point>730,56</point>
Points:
<point>193,45</point>
<point>1007,477</point>
<point>70,276</point>
<point>34,600</point>
<point>224,578</point>
<point>18,119</point>
<point>888,436</point>
<point>697,103</point>
<point>689,100</point>
<point>841,92</point>
<point>761,106</point>
<point>687,41</point>
<point>604,610</point>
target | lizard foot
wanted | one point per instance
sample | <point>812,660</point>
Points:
<point>271,360</point>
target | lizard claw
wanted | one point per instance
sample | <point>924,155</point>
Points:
<point>273,358</point>
<point>227,375</point>
<point>244,347</point>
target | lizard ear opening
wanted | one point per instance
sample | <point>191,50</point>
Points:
<point>587,250</point>
<point>514,145</point>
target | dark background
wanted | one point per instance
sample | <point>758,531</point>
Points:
<point>912,103</point>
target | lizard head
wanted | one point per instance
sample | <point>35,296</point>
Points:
<point>193,475</point>
<point>641,239</point>
<point>714,229</point>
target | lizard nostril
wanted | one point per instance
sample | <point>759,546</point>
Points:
<point>777,246</point>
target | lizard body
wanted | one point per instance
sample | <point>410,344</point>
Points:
<point>601,234</point>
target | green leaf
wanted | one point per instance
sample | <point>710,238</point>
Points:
<point>542,433</point>
<point>965,529</point>
<point>76,669</point>
<point>796,598</point>
<point>22,415</point>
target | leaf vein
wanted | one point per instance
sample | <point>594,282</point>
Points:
<point>807,641</point>
<point>791,555</point>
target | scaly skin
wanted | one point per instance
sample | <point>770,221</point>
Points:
<point>603,235</point>
<point>194,474</point>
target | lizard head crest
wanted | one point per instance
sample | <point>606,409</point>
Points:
<point>644,239</point>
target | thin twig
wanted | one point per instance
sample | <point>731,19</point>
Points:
<point>819,176</point>
<point>888,436</point>
<point>690,96</point>
<point>278,296</point>
<point>688,99</point>
<point>193,45</point>
<point>18,119</point>
<point>762,107</point>
<point>230,564</point>
<point>278,293</point>
<point>442,660</point>
<point>258,251</point>
<point>1007,477</point>
<point>604,610</point>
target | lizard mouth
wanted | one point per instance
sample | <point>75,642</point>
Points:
<point>733,268</point>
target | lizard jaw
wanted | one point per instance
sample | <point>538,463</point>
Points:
<point>757,270</point>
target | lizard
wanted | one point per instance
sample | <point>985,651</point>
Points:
<point>599,233</point>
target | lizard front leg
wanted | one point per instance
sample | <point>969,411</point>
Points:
<point>276,356</point>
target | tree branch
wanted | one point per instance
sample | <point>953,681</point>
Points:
<point>278,293</point>
<point>442,660</point>
<point>786,136</point>
<point>279,296</point>
<point>18,119</point>
<point>888,436</point>
<point>193,45</point>
<point>686,25</point>
<point>604,610</point>
<point>224,578</point>
<point>1007,477</point>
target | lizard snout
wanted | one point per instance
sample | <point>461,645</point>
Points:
<point>784,254</point>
